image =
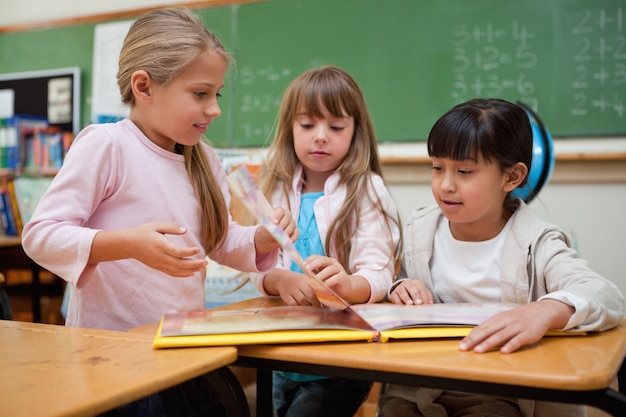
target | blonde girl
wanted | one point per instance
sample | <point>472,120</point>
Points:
<point>139,204</point>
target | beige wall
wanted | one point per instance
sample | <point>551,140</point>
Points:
<point>14,12</point>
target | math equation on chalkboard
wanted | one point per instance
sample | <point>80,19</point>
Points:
<point>599,62</point>
<point>487,64</point>
<point>565,59</point>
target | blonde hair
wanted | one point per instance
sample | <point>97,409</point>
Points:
<point>164,42</point>
<point>330,89</point>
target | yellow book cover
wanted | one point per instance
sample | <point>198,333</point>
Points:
<point>299,324</point>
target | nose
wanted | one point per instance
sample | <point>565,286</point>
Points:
<point>320,135</point>
<point>447,181</point>
<point>213,109</point>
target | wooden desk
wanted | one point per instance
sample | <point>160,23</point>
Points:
<point>48,370</point>
<point>575,369</point>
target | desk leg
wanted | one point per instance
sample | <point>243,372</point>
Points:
<point>621,378</point>
<point>230,391</point>
<point>264,407</point>
<point>611,401</point>
<point>36,292</point>
<point>5,306</point>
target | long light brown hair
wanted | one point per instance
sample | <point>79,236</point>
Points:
<point>163,42</point>
<point>330,89</point>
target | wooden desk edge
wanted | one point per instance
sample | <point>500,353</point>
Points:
<point>60,329</point>
<point>310,354</point>
<point>600,380</point>
<point>79,343</point>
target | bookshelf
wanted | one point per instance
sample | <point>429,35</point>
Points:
<point>39,116</point>
<point>31,153</point>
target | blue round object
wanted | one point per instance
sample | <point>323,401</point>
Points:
<point>542,160</point>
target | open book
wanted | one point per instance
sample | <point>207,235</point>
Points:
<point>297,324</point>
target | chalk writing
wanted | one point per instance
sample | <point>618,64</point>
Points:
<point>485,65</point>
<point>260,90</point>
<point>599,60</point>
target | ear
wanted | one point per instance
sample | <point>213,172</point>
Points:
<point>141,84</point>
<point>514,176</point>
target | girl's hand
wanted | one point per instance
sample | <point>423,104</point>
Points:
<point>412,292</point>
<point>294,289</point>
<point>158,252</point>
<point>264,242</point>
<point>353,288</point>
<point>519,327</point>
<point>149,245</point>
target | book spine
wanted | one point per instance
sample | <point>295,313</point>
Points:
<point>4,163</point>
<point>13,156</point>
<point>4,220</point>
<point>55,150</point>
<point>7,216</point>
<point>68,138</point>
<point>25,127</point>
<point>17,218</point>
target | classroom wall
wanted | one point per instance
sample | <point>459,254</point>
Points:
<point>34,11</point>
<point>587,192</point>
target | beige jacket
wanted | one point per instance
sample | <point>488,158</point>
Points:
<point>537,260</point>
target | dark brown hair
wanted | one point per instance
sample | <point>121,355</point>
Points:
<point>494,129</point>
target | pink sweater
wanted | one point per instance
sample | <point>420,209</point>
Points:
<point>114,177</point>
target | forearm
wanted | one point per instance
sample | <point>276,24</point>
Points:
<point>276,277</point>
<point>111,245</point>
<point>558,312</point>
<point>361,290</point>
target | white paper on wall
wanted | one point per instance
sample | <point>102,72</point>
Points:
<point>60,100</point>
<point>7,99</point>
<point>106,103</point>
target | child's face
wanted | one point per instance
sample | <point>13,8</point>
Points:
<point>471,195</point>
<point>181,111</point>
<point>321,145</point>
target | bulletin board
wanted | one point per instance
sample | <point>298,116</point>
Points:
<point>53,94</point>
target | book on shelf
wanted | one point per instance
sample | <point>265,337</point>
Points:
<point>9,224</point>
<point>17,216</point>
<point>4,145</point>
<point>14,131</point>
<point>29,143</point>
<point>44,151</point>
<point>334,320</point>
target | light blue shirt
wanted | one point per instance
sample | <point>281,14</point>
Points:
<point>308,243</point>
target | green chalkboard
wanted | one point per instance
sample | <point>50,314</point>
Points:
<point>413,59</point>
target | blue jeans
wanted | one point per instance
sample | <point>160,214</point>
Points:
<point>328,397</point>
<point>194,398</point>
